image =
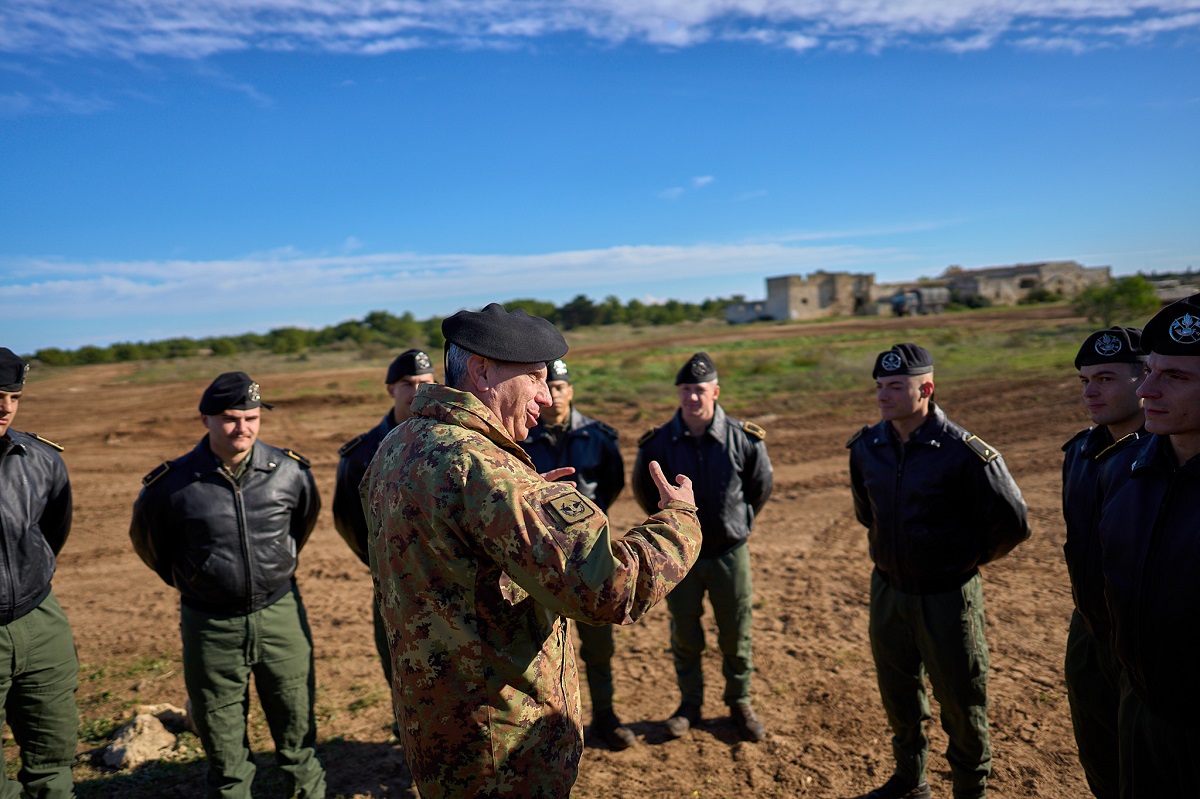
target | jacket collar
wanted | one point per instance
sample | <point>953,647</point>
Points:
<point>931,431</point>
<point>463,409</point>
<point>716,428</point>
<point>1156,455</point>
<point>207,460</point>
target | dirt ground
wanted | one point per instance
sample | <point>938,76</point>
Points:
<point>814,685</point>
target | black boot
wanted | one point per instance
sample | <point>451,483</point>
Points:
<point>615,734</point>
<point>898,788</point>
<point>686,716</point>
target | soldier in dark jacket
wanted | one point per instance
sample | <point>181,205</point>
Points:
<point>224,524</point>
<point>409,370</point>
<point>728,463</point>
<point>1150,540</point>
<point>937,503</point>
<point>1110,364</point>
<point>39,672</point>
<point>565,437</point>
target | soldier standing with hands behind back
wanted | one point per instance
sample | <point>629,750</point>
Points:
<point>728,463</point>
<point>39,671</point>
<point>937,503</point>
<point>565,437</point>
<point>407,371</point>
<point>224,524</point>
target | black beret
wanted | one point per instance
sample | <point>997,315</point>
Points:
<point>409,363</point>
<point>1175,330</point>
<point>903,359</point>
<point>231,391</point>
<point>495,333</point>
<point>699,369</point>
<point>1115,345</point>
<point>557,370</point>
<point>12,371</point>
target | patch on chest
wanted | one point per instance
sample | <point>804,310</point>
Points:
<point>571,509</point>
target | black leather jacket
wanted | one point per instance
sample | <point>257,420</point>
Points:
<point>1084,456</point>
<point>35,519</point>
<point>1150,541</point>
<point>730,471</point>
<point>936,506</point>
<point>356,455</point>
<point>589,446</point>
<point>229,548</point>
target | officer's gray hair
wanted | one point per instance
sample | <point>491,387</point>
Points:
<point>456,366</point>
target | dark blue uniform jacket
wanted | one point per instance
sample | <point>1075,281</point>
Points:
<point>589,446</point>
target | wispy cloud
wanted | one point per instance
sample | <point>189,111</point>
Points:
<point>114,299</point>
<point>198,28</point>
<point>695,184</point>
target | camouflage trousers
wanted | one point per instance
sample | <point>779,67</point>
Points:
<point>939,635</point>
<point>1093,678</point>
<point>39,674</point>
<point>728,583</point>
<point>220,653</point>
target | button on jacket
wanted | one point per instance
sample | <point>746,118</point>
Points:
<point>35,519</point>
<point>1151,555</point>
<point>589,446</point>
<point>1084,455</point>
<point>934,507</point>
<point>347,503</point>
<point>730,472</point>
<point>228,548</point>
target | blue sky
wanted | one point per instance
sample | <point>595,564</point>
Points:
<point>196,167</point>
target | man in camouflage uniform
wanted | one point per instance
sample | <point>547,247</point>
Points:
<point>479,561</point>
<point>1148,494</point>
<point>937,503</point>
<point>409,370</point>
<point>565,437</point>
<point>728,462</point>
<point>39,672</point>
<point>1110,364</point>
<point>224,524</point>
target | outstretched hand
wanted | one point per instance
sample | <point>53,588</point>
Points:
<point>682,492</point>
<point>555,474</point>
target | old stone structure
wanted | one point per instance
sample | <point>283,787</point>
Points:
<point>1008,285</point>
<point>820,294</point>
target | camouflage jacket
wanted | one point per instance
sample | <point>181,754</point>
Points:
<point>478,563</point>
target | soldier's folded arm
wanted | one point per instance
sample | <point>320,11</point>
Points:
<point>1004,511</point>
<point>55,522</point>
<point>558,546</point>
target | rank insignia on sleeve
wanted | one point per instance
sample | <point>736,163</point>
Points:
<point>571,508</point>
<point>982,449</point>
<point>755,430</point>
<point>156,473</point>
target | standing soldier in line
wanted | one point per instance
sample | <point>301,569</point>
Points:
<point>479,561</point>
<point>224,524</point>
<point>409,370</point>
<point>937,503</point>
<point>727,460</point>
<point>565,437</point>
<point>1150,538</point>
<point>1110,365</point>
<point>39,672</point>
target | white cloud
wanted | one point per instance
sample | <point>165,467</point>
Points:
<point>198,28</point>
<point>270,289</point>
<point>700,181</point>
<point>673,193</point>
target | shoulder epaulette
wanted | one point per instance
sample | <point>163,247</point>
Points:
<point>1076,437</point>
<point>857,436</point>
<point>296,456</point>
<point>48,442</point>
<point>1118,445</point>
<point>156,473</point>
<point>754,430</point>
<point>981,448</point>
<point>345,449</point>
<point>612,431</point>
<point>646,436</point>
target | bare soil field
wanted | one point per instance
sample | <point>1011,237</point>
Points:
<point>814,684</point>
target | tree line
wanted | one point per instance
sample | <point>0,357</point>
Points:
<point>381,330</point>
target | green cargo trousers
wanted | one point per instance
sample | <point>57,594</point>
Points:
<point>39,674</point>
<point>596,648</point>
<point>219,655</point>
<point>940,634</point>
<point>728,582</point>
<point>1093,678</point>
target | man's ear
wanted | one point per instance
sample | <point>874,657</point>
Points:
<point>479,372</point>
<point>927,388</point>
